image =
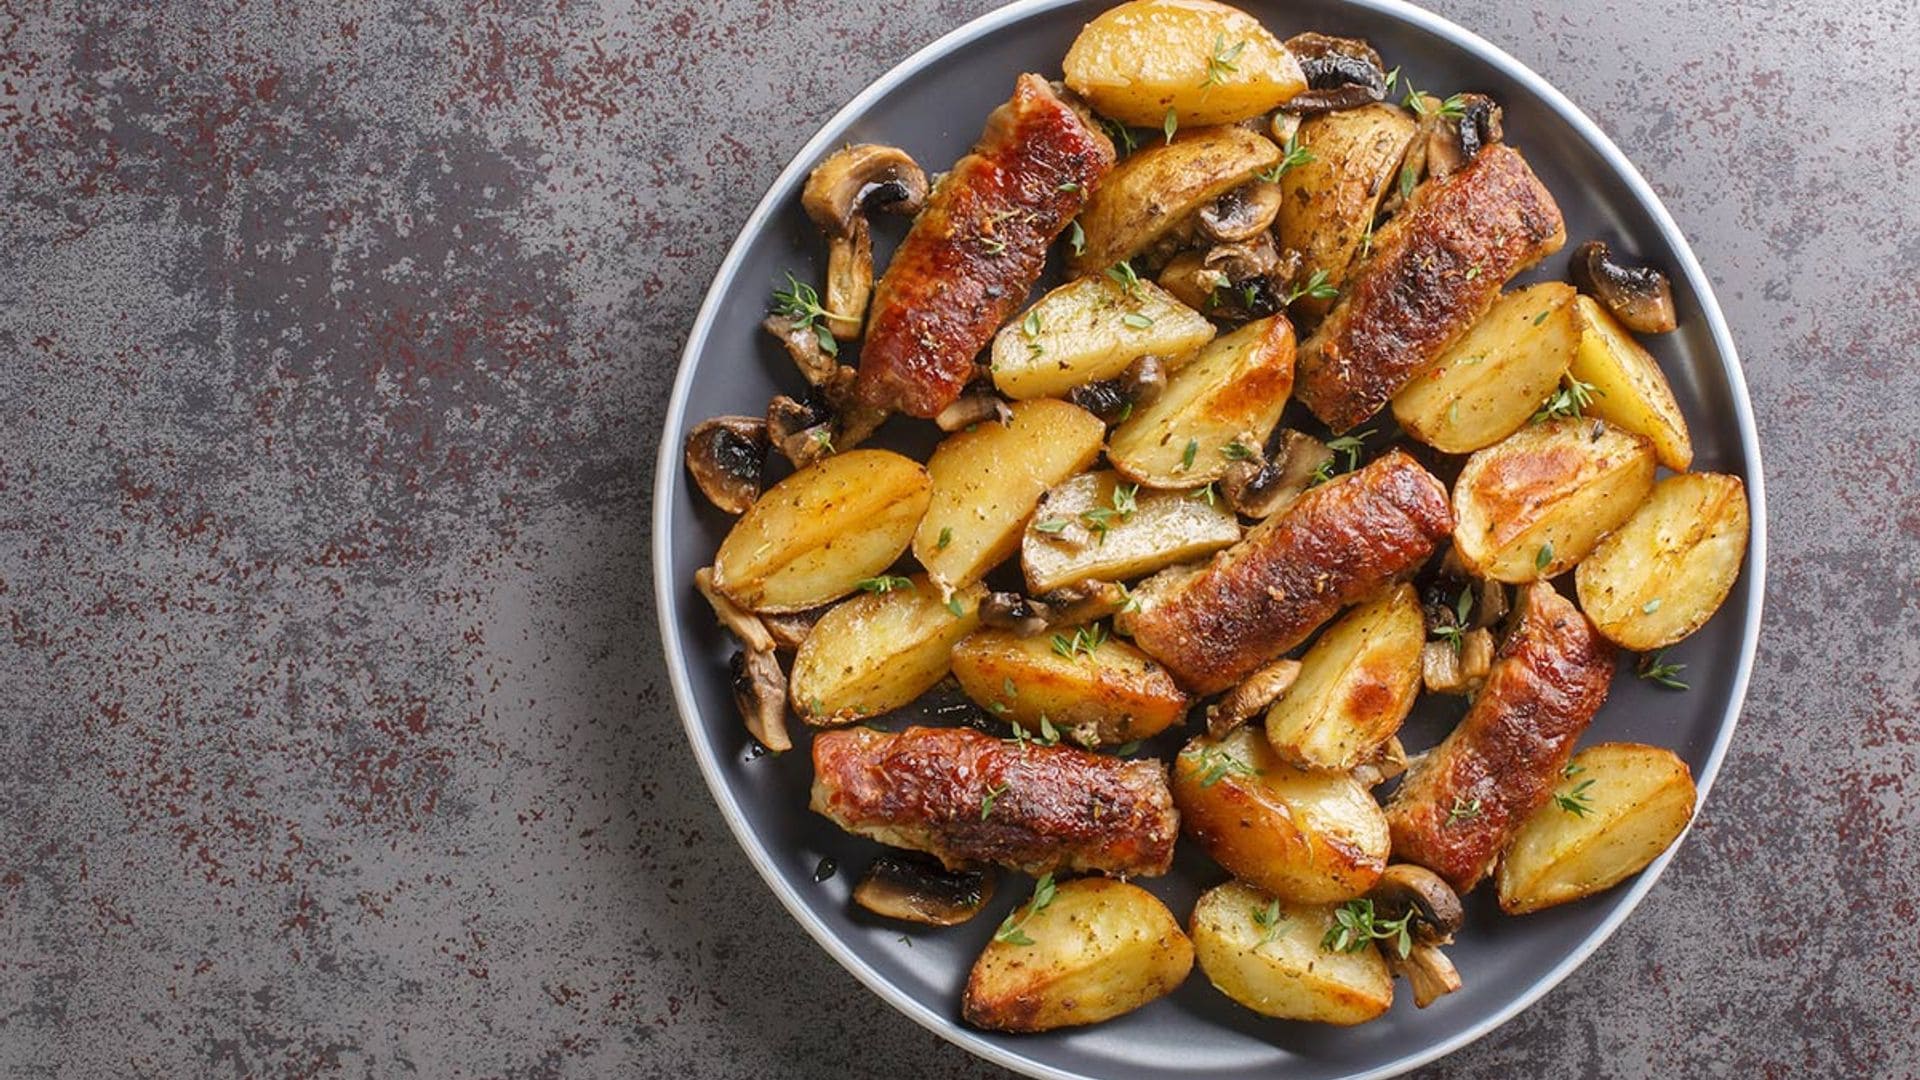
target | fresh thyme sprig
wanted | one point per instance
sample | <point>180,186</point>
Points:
<point>1010,932</point>
<point>885,583</point>
<point>1268,918</point>
<point>1575,800</point>
<point>1657,671</point>
<point>1084,642</point>
<point>1316,286</point>
<point>799,302</point>
<point>1463,809</point>
<point>1294,156</point>
<point>1355,926</point>
<point>1216,764</point>
<point>1455,633</point>
<point>1571,399</point>
<point>1222,62</point>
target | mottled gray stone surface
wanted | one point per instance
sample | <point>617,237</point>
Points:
<point>336,338</point>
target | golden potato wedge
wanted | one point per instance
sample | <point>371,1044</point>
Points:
<point>816,535</point>
<point>1161,186</point>
<point>1231,392</point>
<point>1328,204</point>
<point>1620,806</point>
<point>1308,836</point>
<point>1534,504</point>
<point>1104,697</point>
<point>1207,62</point>
<point>1630,390</point>
<point>1355,686</point>
<point>1081,952</point>
<point>1097,527</point>
<point>986,482</point>
<point>1266,953</point>
<point>878,651</point>
<point>1486,385</point>
<point>1091,329</point>
<point>1664,573</point>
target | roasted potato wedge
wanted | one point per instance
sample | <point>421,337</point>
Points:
<point>1123,532</point>
<point>1534,504</point>
<point>1620,806</point>
<point>1103,697</point>
<point>878,651</point>
<point>1630,390</point>
<point>1232,392</point>
<point>1485,385</point>
<point>1163,185</point>
<point>1091,329</point>
<point>816,535</point>
<point>1081,952</point>
<point>1207,62</point>
<point>1664,573</point>
<point>986,482</point>
<point>1308,836</point>
<point>1266,953</point>
<point>1327,205</point>
<point>1356,684</point>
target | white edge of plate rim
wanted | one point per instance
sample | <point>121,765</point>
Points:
<point>666,482</point>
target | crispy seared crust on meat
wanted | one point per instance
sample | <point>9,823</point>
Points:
<point>1046,808</point>
<point>972,254</point>
<point>1337,545</point>
<point>1548,679</point>
<point>1436,268</point>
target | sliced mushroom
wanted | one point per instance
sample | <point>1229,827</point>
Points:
<point>789,630</point>
<point>839,193</point>
<point>1113,400</point>
<point>726,455</point>
<point>1428,972</point>
<point>915,888</point>
<point>1437,914</point>
<point>1284,127</point>
<point>1447,670</point>
<point>1260,487</point>
<point>1388,762</point>
<point>1405,887</point>
<point>1639,296</point>
<point>1084,602</point>
<point>805,345</point>
<point>828,420</point>
<point>1241,214</point>
<point>1452,140</point>
<point>1260,690</point>
<point>760,692</point>
<point>744,624</point>
<point>1342,73</point>
<point>1012,611</point>
<point>974,407</point>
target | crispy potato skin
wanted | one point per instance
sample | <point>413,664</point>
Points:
<point>1548,679</point>
<point>1161,185</point>
<point>1435,270</point>
<point>976,249</point>
<point>1106,698</point>
<point>1053,807</point>
<point>1335,546</point>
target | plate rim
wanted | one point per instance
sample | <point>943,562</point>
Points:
<point>667,482</point>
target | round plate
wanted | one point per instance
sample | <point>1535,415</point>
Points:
<point>934,105</point>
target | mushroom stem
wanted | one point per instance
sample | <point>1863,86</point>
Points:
<point>849,281</point>
<point>974,407</point>
<point>744,624</point>
<point>760,692</point>
<point>1427,970</point>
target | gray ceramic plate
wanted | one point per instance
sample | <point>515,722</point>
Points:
<point>933,104</point>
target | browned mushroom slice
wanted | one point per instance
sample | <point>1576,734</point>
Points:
<point>1458,129</point>
<point>760,692</point>
<point>744,624</point>
<point>1085,602</point>
<point>1012,611</point>
<point>1342,73</point>
<point>1436,914</point>
<point>1113,400</point>
<point>803,344</point>
<point>914,888</point>
<point>826,422</point>
<point>1260,487</point>
<point>726,455</point>
<point>789,630</point>
<point>1639,296</point>
<point>974,407</point>
<point>1449,669</point>
<point>839,194</point>
<point>1241,214</point>
<point>1243,701</point>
